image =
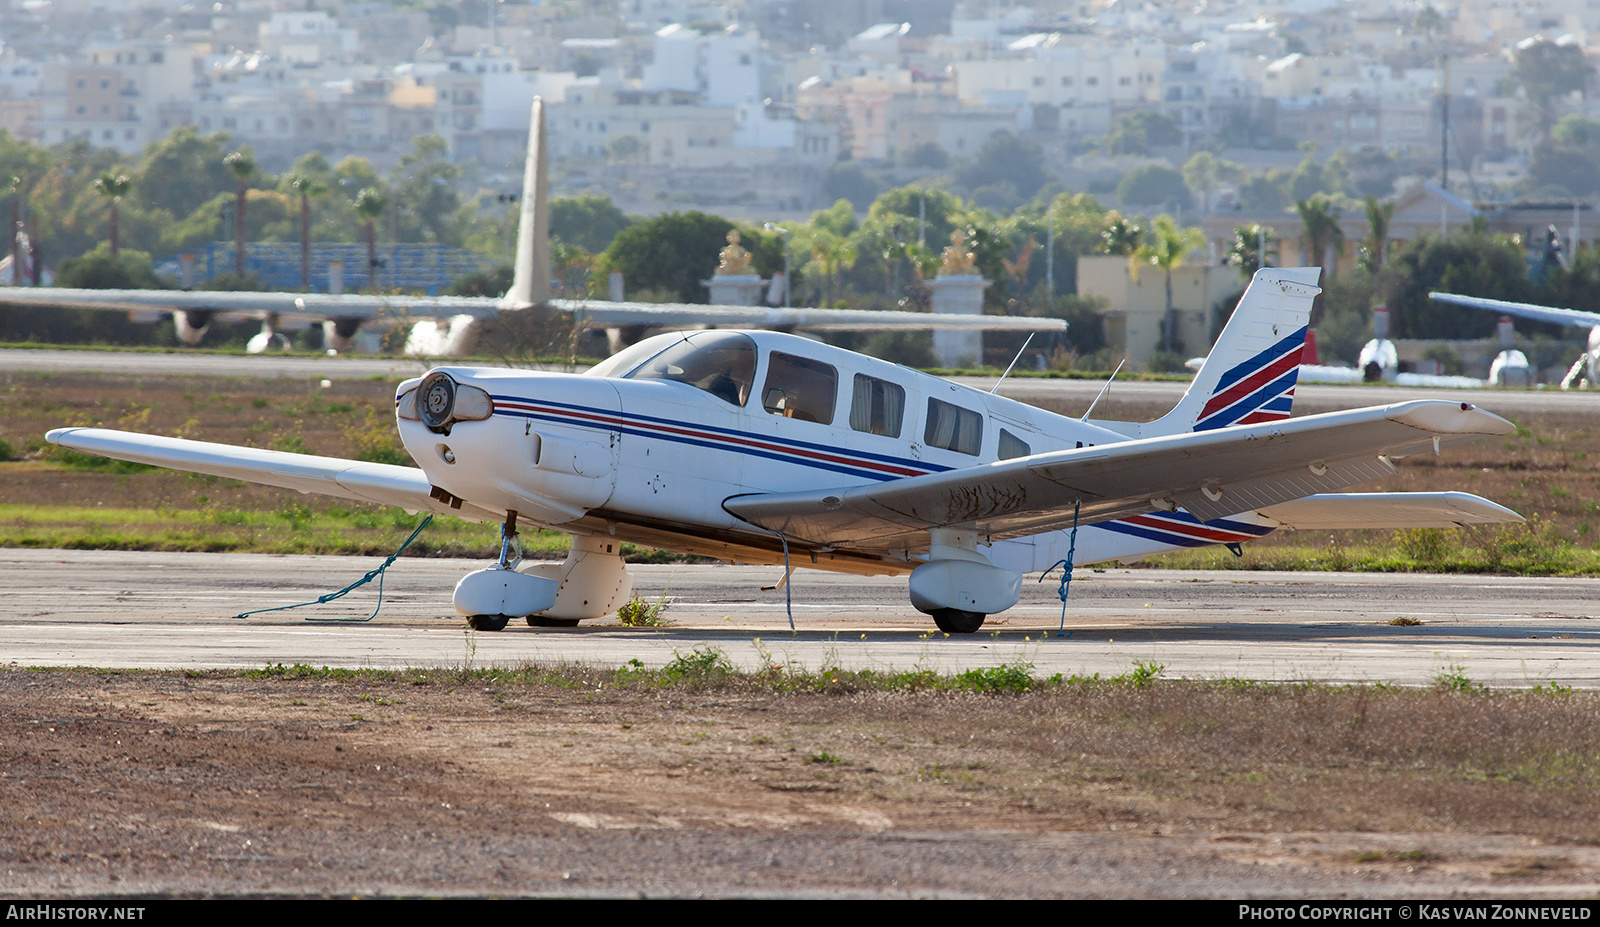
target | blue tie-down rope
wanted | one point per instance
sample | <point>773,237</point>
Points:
<point>1066,574</point>
<point>375,574</point>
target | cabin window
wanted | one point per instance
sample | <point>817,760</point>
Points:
<point>1013,446</point>
<point>721,363</point>
<point>799,387</point>
<point>878,406</point>
<point>953,428</point>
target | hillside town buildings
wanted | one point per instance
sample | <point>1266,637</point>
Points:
<point>642,88</point>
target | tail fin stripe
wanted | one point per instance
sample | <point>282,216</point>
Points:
<point>1263,398</point>
<point>1251,384</point>
<point>1293,344</point>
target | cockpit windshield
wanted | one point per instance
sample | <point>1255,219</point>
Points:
<point>631,356</point>
<point>721,363</point>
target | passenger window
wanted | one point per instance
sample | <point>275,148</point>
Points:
<point>721,363</point>
<point>800,388</point>
<point>878,406</point>
<point>953,428</point>
<point>1013,446</point>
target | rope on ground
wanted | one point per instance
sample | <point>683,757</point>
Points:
<point>375,574</point>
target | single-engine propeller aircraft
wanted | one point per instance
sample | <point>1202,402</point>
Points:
<point>762,447</point>
<point>1588,363</point>
<point>448,326</point>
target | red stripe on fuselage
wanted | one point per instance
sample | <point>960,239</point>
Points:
<point>1201,531</point>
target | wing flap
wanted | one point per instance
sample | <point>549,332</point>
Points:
<point>384,484</point>
<point>1212,474</point>
<point>1390,510</point>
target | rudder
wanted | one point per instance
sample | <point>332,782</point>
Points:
<point>1251,372</point>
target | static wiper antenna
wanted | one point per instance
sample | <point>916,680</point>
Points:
<point>1103,389</point>
<point>1013,363</point>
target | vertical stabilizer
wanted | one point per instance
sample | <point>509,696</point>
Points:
<point>1250,374</point>
<point>530,282</point>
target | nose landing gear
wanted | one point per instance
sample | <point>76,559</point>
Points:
<point>490,598</point>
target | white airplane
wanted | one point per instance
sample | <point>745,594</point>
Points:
<point>443,326</point>
<point>1380,361</point>
<point>1587,364</point>
<point>762,447</point>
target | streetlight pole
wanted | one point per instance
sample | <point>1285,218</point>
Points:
<point>788,282</point>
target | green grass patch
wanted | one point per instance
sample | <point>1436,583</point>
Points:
<point>1534,548</point>
<point>295,528</point>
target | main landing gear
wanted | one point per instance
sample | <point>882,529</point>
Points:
<point>956,621</point>
<point>958,586</point>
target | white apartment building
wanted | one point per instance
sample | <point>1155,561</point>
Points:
<point>307,38</point>
<point>110,95</point>
<point>723,68</point>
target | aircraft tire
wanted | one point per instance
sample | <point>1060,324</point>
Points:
<point>488,622</point>
<point>542,621</point>
<point>956,621</point>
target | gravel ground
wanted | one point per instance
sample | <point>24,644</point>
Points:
<point>145,784</point>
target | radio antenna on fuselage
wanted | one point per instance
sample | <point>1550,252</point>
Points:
<point>1103,389</point>
<point>1013,363</point>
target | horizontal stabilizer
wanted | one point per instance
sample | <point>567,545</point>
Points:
<point>1337,511</point>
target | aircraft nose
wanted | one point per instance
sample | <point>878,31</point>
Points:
<point>439,401</point>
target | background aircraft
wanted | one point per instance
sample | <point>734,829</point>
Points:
<point>1380,362</point>
<point>761,447</point>
<point>1584,366</point>
<point>443,326</point>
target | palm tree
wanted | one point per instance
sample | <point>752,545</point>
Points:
<point>1167,248</point>
<point>1119,235</point>
<point>1319,218</point>
<point>833,254</point>
<point>1378,216</point>
<point>113,187</point>
<point>243,166</point>
<point>369,206</point>
<point>1252,247</point>
<point>307,186</point>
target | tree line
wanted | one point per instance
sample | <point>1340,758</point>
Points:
<point>189,189</point>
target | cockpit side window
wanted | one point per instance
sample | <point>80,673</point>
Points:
<point>1013,446</point>
<point>721,363</point>
<point>953,428</point>
<point>877,407</point>
<point>799,387</point>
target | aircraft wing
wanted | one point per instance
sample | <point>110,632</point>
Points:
<point>1338,511</point>
<point>1212,474</point>
<point>322,306</point>
<point>1574,317</point>
<point>385,484</point>
<point>667,315</point>
<point>310,306</point>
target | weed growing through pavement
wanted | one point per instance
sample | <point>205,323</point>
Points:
<point>1145,672</point>
<point>471,653</point>
<point>1453,678</point>
<point>637,613</point>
